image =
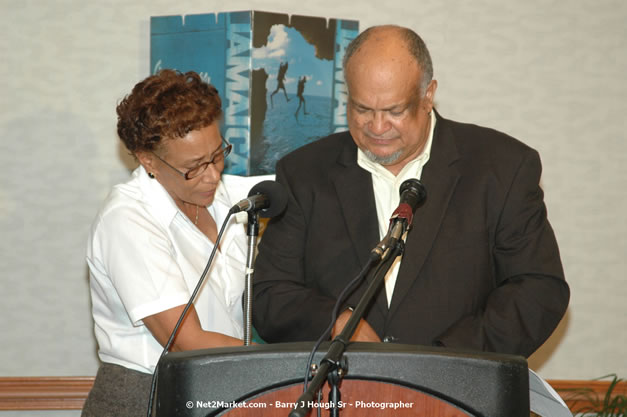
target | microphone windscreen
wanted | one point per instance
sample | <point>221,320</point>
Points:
<point>413,193</point>
<point>276,194</point>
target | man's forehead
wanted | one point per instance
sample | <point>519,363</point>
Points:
<point>383,97</point>
<point>384,103</point>
<point>383,70</point>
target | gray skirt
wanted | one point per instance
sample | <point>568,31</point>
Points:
<point>118,392</point>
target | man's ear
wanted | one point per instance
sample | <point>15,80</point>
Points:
<point>430,95</point>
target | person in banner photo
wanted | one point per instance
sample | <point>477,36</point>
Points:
<point>301,99</point>
<point>481,269</point>
<point>152,238</point>
<point>280,82</point>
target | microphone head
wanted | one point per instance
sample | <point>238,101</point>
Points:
<point>413,193</point>
<point>276,195</point>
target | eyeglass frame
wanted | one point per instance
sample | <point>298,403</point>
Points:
<point>225,151</point>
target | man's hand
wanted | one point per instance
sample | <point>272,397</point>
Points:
<point>363,332</point>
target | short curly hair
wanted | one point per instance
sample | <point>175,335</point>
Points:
<point>167,105</point>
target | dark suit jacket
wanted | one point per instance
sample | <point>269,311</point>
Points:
<point>481,268</point>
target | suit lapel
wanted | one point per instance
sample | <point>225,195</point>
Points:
<point>354,191</point>
<point>439,176</point>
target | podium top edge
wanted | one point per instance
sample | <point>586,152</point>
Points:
<point>353,348</point>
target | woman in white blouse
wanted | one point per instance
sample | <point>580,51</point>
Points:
<point>153,236</point>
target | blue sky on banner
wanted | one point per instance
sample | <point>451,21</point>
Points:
<point>287,44</point>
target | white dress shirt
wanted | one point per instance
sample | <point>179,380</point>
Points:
<point>145,256</point>
<point>387,197</point>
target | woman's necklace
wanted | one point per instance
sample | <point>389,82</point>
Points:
<point>196,221</point>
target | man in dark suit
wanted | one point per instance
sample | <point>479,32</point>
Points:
<point>481,268</point>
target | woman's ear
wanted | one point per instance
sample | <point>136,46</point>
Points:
<point>147,160</point>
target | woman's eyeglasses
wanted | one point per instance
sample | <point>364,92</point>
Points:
<point>217,158</point>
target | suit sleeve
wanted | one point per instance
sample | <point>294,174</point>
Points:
<point>530,295</point>
<point>284,308</point>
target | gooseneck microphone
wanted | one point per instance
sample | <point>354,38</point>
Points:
<point>413,193</point>
<point>268,198</point>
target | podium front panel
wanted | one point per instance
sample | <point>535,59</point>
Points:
<point>213,381</point>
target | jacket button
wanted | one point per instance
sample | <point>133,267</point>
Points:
<point>389,339</point>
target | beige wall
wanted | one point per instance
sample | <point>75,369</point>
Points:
<point>551,73</point>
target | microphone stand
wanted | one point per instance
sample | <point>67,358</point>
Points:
<point>334,361</point>
<point>252,231</point>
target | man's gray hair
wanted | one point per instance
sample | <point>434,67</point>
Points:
<point>415,45</point>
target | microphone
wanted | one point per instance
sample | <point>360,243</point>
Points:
<point>267,197</point>
<point>270,199</point>
<point>413,193</point>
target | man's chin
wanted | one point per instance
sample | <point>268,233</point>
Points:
<point>383,159</point>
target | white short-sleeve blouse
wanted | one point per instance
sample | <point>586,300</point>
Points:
<point>145,256</point>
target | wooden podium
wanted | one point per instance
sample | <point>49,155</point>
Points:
<point>383,379</point>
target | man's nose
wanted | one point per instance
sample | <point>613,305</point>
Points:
<point>379,123</point>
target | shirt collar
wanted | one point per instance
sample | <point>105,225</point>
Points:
<point>411,170</point>
<point>161,202</point>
